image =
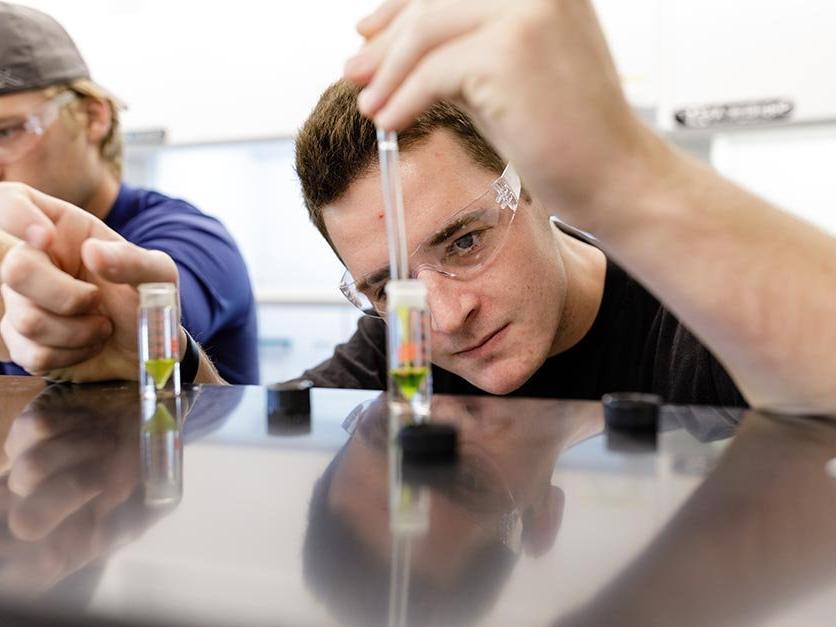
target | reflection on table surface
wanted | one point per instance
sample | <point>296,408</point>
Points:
<point>206,510</point>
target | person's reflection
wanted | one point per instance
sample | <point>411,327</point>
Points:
<point>73,467</point>
<point>754,539</point>
<point>73,487</point>
<point>17,393</point>
<point>508,450</point>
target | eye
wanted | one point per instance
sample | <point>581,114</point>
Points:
<point>467,244</point>
<point>464,243</point>
<point>10,132</point>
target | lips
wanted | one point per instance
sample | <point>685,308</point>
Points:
<point>483,345</point>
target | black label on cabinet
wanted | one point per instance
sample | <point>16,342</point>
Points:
<point>734,113</point>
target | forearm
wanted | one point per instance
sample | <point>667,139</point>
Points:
<point>753,282</point>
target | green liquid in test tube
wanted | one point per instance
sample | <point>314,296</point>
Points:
<point>159,370</point>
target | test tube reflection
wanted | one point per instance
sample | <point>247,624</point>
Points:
<point>409,519</point>
<point>162,451</point>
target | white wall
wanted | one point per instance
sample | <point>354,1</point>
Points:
<point>634,32</point>
<point>716,51</point>
<point>208,70</point>
<point>793,168</point>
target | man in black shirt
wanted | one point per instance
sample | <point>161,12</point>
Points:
<point>539,311</point>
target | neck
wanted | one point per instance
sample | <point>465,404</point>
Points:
<point>104,193</point>
<point>585,269</point>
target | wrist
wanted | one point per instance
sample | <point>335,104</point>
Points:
<point>182,343</point>
<point>189,358</point>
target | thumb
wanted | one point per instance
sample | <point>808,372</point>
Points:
<point>123,262</point>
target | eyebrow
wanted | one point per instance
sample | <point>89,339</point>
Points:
<point>454,227</point>
<point>17,118</point>
<point>370,279</point>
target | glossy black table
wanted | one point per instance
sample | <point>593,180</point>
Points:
<point>208,512</point>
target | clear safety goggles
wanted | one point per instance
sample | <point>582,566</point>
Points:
<point>19,136</point>
<point>460,248</point>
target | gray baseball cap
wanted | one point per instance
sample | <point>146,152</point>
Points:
<point>35,51</point>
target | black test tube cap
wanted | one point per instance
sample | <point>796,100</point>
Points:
<point>632,411</point>
<point>429,442</point>
<point>289,407</point>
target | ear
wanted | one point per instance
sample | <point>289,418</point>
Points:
<point>99,118</point>
<point>541,522</point>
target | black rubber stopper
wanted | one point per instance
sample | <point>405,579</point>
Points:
<point>632,411</point>
<point>429,442</point>
<point>289,408</point>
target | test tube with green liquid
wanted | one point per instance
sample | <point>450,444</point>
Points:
<point>409,389</point>
<point>159,343</point>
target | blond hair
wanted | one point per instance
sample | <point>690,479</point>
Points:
<point>111,148</point>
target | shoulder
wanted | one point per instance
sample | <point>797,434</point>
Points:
<point>148,199</point>
<point>145,216</point>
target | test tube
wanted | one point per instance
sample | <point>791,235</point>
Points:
<point>159,369</point>
<point>162,451</point>
<point>390,178</point>
<point>409,389</point>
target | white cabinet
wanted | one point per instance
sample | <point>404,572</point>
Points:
<point>673,54</point>
<point>717,51</point>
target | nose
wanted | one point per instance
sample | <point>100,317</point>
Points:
<point>451,304</point>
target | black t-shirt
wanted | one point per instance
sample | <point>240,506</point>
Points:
<point>634,345</point>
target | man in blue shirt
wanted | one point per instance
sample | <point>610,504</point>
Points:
<point>59,133</point>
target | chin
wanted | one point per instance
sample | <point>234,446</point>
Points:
<point>501,378</point>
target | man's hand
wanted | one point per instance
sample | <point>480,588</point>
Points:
<point>69,291</point>
<point>536,75</point>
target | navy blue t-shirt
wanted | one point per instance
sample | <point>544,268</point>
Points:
<point>215,294</point>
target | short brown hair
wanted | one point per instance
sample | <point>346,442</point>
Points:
<point>337,145</point>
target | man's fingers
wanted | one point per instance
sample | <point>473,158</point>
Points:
<point>38,236</point>
<point>31,273</point>
<point>57,455</point>
<point>123,262</point>
<point>418,33</point>
<point>47,329</point>
<point>37,359</point>
<point>57,498</point>
<point>382,16</point>
<point>22,207</point>
<point>435,78</point>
